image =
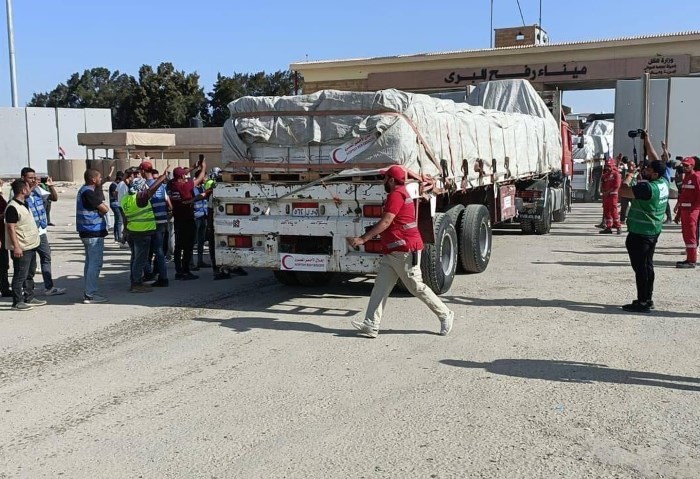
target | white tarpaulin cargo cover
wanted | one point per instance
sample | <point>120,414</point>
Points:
<point>597,142</point>
<point>124,139</point>
<point>352,129</point>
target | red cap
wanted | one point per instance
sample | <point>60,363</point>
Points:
<point>396,172</point>
<point>179,172</point>
<point>146,166</point>
<point>611,163</point>
<point>688,160</point>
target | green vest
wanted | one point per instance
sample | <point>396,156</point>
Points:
<point>139,220</point>
<point>646,217</point>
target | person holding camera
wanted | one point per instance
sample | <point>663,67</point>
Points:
<point>687,211</point>
<point>644,224</point>
<point>402,244</point>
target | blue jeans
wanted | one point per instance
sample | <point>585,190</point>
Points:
<point>118,224</point>
<point>200,236</point>
<point>140,244</point>
<point>157,243</point>
<point>94,252</point>
<point>44,252</point>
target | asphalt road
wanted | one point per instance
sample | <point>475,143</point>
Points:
<point>542,376</point>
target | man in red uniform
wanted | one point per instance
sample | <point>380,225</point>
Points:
<point>402,245</point>
<point>611,181</point>
<point>687,211</point>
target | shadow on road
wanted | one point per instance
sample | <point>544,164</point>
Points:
<point>561,303</point>
<point>575,372</point>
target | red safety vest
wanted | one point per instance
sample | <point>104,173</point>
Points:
<point>690,191</point>
<point>403,233</point>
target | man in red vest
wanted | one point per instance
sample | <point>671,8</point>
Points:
<point>687,211</point>
<point>611,181</point>
<point>402,244</point>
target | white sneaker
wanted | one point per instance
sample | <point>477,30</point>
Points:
<point>94,299</point>
<point>446,323</point>
<point>55,291</point>
<point>365,329</point>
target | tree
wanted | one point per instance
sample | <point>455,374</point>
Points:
<point>167,98</point>
<point>95,88</point>
<point>226,89</point>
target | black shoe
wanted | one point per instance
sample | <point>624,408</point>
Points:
<point>619,231</point>
<point>606,231</point>
<point>685,265</point>
<point>189,276</point>
<point>221,275</point>
<point>649,303</point>
<point>600,225</point>
<point>178,275</point>
<point>239,271</point>
<point>637,307</point>
<point>149,277</point>
<point>161,283</point>
<point>202,264</point>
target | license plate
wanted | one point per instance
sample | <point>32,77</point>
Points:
<point>304,209</point>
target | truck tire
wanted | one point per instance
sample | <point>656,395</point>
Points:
<point>306,278</point>
<point>287,278</point>
<point>527,226</point>
<point>455,213</point>
<point>543,226</point>
<point>559,216</point>
<point>474,239</point>
<point>439,260</point>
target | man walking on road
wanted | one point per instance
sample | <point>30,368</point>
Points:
<point>402,245</point>
<point>645,223</point>
<point>91,224</point>
<point>22,236</point>
<point>35,202</point>
<point>687,212</point>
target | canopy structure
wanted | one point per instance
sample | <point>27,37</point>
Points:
<point>127,140</point>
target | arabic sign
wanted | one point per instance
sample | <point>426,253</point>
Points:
<point>553,72</point>
<point>349,150</point>
<point>303,262</point>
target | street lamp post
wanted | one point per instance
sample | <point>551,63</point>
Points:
<point>11,47</point>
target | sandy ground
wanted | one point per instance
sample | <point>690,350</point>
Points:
<point>542,376</point>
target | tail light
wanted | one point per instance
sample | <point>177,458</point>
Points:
<point>372,211</point>
<point>530,194</point>
<point>239,241</point>
<point>373,246</point>
<point>238,209</point>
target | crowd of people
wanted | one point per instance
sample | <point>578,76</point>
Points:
<point>162,217</point>
<point>158,216</point>
<point>645,190</point>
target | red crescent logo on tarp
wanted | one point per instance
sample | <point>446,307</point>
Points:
<point>284,262</point>
<point>334,156</point>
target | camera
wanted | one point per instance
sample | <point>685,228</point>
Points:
<point>637,133</point>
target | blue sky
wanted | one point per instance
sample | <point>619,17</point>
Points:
<point>54,38</point>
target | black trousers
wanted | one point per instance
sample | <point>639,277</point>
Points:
<point>184,243</point>
<point>23,279</point>
<point>624,207</point>
<point>4,268</point>
<point>210,239</point>
<point>641,252</point>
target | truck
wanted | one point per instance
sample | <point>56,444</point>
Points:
<point>304,173</point>
<point>592,147</point>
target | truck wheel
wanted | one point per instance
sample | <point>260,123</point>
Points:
<point>307,278</point>
<point>439,260</point>
<point>287,278</point>
<point>455,213</point>
<point>560,215</point>
<point>543,226</point>
<point>527,227</point>
<point>475,239</point>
